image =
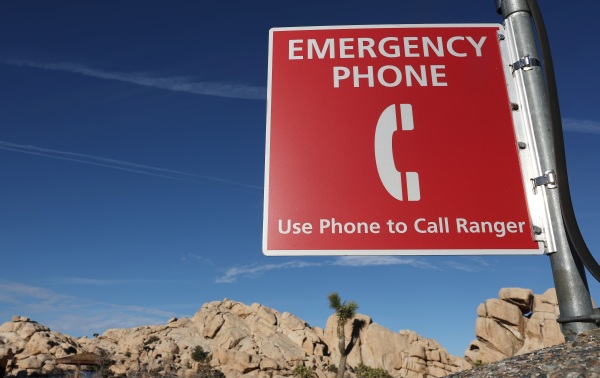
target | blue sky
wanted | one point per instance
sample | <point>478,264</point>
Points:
<point>132,146</point>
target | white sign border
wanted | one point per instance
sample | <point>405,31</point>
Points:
<point>511,88</point>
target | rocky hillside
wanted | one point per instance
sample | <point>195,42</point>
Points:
<point>580,358</point>
<point>257,341</point>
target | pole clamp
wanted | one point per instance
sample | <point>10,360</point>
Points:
<point>592,318</point>
<point>526,63</point>
<point>548,179</point>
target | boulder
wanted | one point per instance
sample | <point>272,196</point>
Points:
<point>503,312</point>
<point>522,298</point>
<point>516,322</point>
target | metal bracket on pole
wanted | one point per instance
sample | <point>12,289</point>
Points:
<point>548,179</point>
<point>526,63</point>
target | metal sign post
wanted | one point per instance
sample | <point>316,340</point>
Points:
<point>569,276</point>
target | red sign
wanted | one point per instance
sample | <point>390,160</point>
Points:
<point>391,140</point>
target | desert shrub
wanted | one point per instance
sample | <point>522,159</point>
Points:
<point>199,355</point>
<point>303,372</point>
<point>364,371</point>
<point>204,369</point>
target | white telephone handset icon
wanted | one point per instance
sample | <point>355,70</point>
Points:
<point>384,156</point>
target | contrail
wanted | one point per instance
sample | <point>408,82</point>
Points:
<point>173,83</point>
<point>116,164</point>
<point>581,126</point>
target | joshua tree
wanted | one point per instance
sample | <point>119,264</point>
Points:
<point>345,311</point>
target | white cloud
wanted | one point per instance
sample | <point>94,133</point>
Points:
<point>581,126</point>
<point>73,315</point>
<point>461,263</point>
<point>173,83</point>
<point>193,256</point>
<point>232,274</point>
<point>16,292</point>
<point>86,324</point>
<point>103,281</point>
<point>361,261</point>
<point>254,270</point>
<point>456,265</point>
<point>97,317</point>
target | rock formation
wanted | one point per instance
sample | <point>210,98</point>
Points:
<point>516,322</point>
<point>32,347</point>
<point>403,354</point>
<point>257,341</point>
<point>250,341</point>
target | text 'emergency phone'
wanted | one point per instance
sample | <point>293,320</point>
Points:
<point>384,156</point>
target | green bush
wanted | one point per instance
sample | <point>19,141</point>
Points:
<point>303,372</point>
<point>204,369</point>
<point>364,371</point>
<point>199,355</point>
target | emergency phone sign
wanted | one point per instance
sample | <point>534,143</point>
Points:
<point>391,140</point>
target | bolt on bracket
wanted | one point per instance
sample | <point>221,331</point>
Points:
<point>548,179</point>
